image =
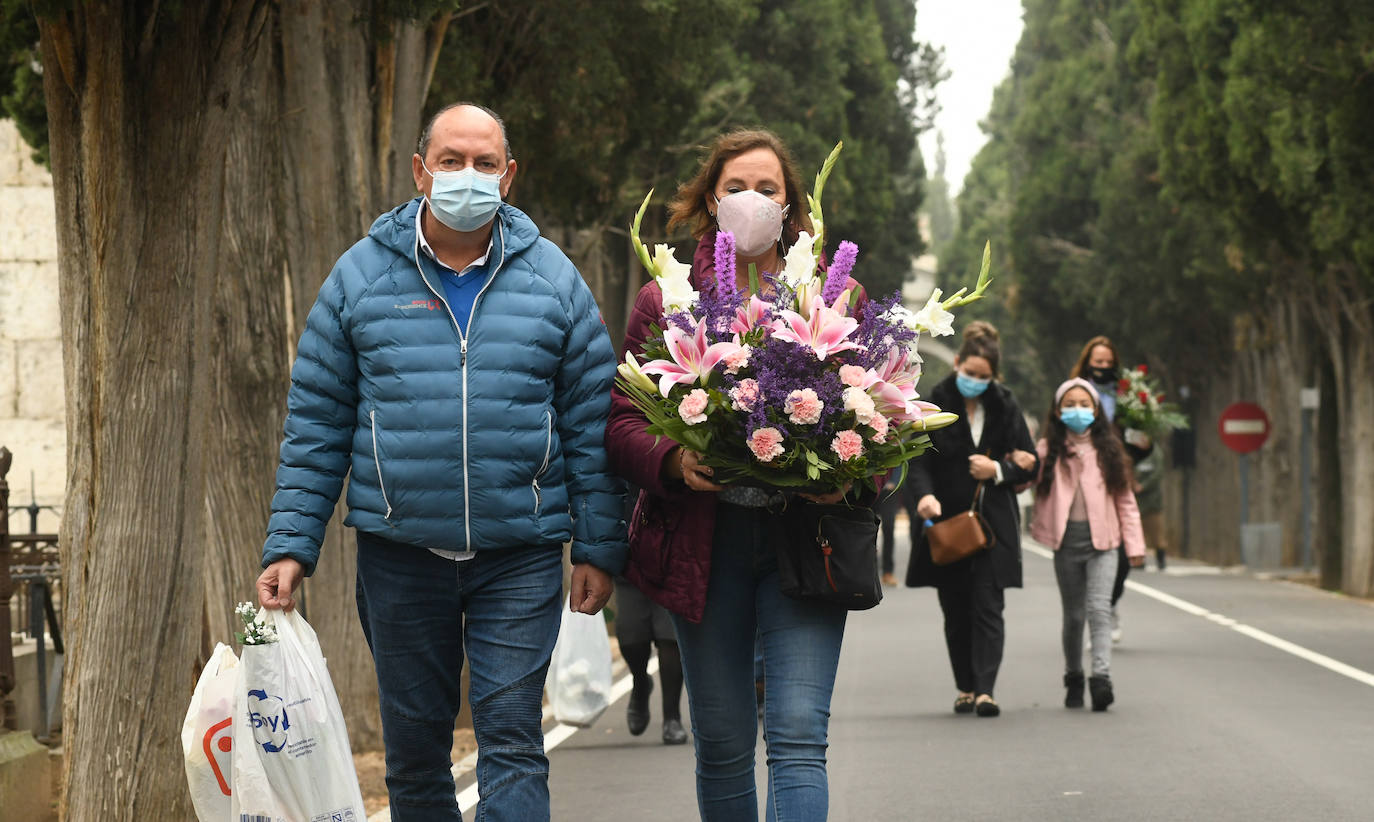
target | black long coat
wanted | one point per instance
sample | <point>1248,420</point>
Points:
<point>943,471</point>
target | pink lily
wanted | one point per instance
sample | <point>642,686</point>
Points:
<point>692,359</point>
<point>824,332</point>
<point>748,316</point>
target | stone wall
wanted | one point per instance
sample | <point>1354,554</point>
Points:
<point>31,390</point>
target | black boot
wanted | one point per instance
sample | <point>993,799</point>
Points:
<point>1101,689</point>
<point>1073,690</point>
<point>637,712</point>
<point>673,732</point>
<point>1159,558</point>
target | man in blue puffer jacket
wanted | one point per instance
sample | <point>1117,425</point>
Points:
<point>456,369</point>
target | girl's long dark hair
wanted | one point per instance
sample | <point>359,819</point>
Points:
<point>1111,454</point>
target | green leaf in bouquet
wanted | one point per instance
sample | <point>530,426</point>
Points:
<point>755,286</point>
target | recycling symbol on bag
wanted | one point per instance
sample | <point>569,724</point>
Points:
<point>270,724</point>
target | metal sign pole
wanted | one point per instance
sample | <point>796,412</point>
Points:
<point>1310,401</point>
<point>1244,501</point>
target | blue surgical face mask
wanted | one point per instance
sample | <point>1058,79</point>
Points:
<point>1077,419</point>
<point>465,200</point>
<point>970,387</point>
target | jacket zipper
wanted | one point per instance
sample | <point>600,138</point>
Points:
<point>377,460</point>
<point>548,450</point>
<point>463,362</point>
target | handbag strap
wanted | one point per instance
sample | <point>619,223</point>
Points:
<point>977,503</point>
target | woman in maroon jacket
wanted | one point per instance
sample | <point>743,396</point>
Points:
<point>706,551</point>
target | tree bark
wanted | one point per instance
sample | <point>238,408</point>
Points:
<point>1355,395</point>
<point>1327,535</point>
<point>210,162</point>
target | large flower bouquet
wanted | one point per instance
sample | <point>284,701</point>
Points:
<point>798,385</point>
<point>1140,404</point>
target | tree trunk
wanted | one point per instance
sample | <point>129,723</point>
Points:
<point>1355,395</point>
<point>1267,368</point>
<point>210,163</point>
<point>1326,536</point>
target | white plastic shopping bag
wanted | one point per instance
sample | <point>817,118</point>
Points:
<point>207,736</point>
<point>580,671</point>
<point>292,761</point>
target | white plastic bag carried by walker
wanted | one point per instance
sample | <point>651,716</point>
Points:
<point>207,736</point>
<point>580,671</point>
<point>292,760</point>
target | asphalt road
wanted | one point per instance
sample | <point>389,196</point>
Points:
<point>1210,723</point>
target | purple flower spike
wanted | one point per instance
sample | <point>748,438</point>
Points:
<point>725,265</point>
<point>838,275</point>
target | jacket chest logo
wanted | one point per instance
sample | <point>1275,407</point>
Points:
<point>417,305</point>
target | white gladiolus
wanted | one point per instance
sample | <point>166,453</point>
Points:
<point>674,279</point>
<point>934,319</point>
<point>799,266</point>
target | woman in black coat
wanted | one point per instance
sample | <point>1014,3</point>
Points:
<point>991,443</point>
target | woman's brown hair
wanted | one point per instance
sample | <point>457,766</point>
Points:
<point>689,204</point>
<point>981,340</point>
<point>1081,368</point>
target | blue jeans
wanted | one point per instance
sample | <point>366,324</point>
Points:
<point>800,642</point>
<point>420,613</point>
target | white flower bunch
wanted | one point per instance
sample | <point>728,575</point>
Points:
<point>256,629</point>
<point>674,279</point>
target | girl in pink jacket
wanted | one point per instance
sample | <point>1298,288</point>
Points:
<point>1084,508</point>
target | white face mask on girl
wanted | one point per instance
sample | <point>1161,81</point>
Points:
<point>755,220</point>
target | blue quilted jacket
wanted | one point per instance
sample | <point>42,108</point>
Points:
<point>490,441</point>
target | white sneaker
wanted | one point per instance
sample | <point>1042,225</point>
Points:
<point>1116,627</point>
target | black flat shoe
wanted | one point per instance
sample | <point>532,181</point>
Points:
<point>963,704</point>
<point>988,707</point>
<point>637,712</point>
<point>1073,690</point>
<point>673,732</point>
<point>1101,689</point>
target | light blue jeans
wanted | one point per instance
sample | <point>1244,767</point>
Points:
<point>800,642</point>
<point>422,614</point>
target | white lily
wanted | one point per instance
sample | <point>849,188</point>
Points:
<point>631,373</point>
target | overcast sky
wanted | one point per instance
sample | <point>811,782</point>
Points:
<point>979,37</point>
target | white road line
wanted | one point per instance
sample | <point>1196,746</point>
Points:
<point>1333,665</point>
<point>557,735</point>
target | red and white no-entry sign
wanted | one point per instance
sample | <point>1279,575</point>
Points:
<point>1243,427</point>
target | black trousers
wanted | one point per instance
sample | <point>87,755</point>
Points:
<point>888,505</point>
<point>974,634</point>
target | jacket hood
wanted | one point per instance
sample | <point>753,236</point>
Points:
<point>396,228</point>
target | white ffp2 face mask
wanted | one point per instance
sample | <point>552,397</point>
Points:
<point>755,220</point>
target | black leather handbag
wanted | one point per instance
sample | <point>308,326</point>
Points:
<point>830,553</point>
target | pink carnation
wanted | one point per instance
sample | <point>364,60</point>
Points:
<point>858,401</point>
<point>879,425</point>
<point>745,395</point>
<point>692,409</point>
<point>766,443</point>
<point>853,376</point>
<point>803,407</point>
<point>737,360</point>
<point>848,445</point>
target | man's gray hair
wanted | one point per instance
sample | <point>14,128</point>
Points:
<point>422,145</point>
